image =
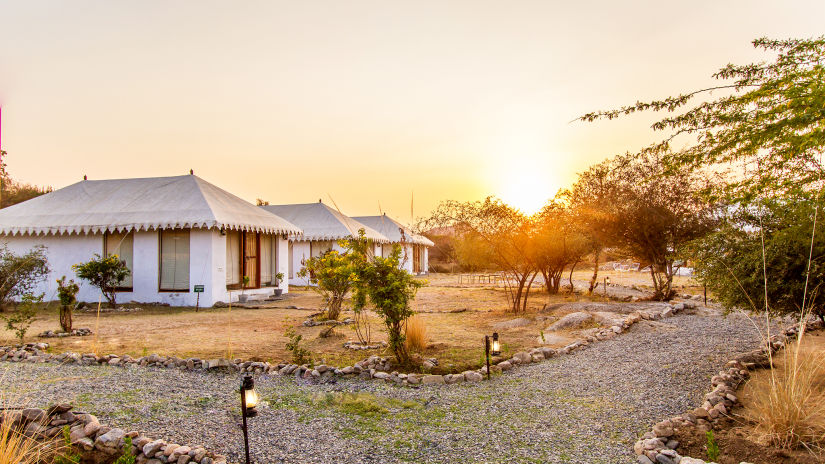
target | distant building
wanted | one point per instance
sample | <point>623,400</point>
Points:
<point>174,233</point>
<point>414,247</point>
<point>322,227</point>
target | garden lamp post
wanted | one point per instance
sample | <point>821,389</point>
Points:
<point>249,399</point>
<point>606,283</point>
<point>493,348</point>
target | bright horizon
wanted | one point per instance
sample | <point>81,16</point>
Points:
<point>363,103</point>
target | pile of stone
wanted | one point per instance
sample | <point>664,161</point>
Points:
<point>99,443</point>
<point>658,446</point>
<point>80,332</point>
<point>351,345</point>
<point>312,322</point>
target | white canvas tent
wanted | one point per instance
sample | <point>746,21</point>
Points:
<point>322,226</point>
<point>414,246</point>
<point>171,231</point>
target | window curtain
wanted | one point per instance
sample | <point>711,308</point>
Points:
<point>290,258</point>
<point>122,245</point>
<point>319,247</point>
<point>266,259</point>
<point>233,257</point>
<point>174,259</point>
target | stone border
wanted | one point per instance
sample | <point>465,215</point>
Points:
<point>99,443</point>
<point>657,446</point>
<point>80,332</point>
<point>374,367</point>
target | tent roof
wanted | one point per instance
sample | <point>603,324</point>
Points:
<point>392,229</point>
<point>320,222</point>
<point>139,204</point>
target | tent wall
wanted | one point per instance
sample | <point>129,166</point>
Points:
<point>207,266</point>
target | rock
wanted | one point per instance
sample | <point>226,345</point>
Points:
<point>91,427</point>
<point>687,460</point>
<point>664,459</point>
<point>672,444</point>
<point>663,429</point>
<point>76,435</point>
<point>218,364</point>
<point>381,375</point>
<point>34,414</point>
<point>432,379</point>
<point>151,448</point>
<point>504,365</point>
<point>571,321</point>
<point>170,448</point>
<point>523,357</point>
<point>473,376</point>
<point>111,439</point>
<point>642,459</point>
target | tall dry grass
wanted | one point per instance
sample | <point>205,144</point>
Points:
<point>416,333</point>
<point>16,448</point>
<point>787,407</point>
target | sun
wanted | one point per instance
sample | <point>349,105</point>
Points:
<point>526,189</point>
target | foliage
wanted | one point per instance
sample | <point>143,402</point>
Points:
<point>764,252</point>
<point>23,316</point>
<point>770,120</point>
<point>19,274</point>
<point>387,286</point>
<point>333,274</point>
<point>711,446</point>
<point>127,457</point>
<point>415,334</point>
<point>650,214</point>
<point>505,231</point>
<point>557,244</point>
<point>279,277</point>
<point>66,292</point>
<point>471,252</point>
<point>300,355</point>
<point>13,192</point>
<point>105,273</point>
<point>67,454</point>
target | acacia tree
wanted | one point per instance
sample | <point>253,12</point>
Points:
<point>587,202</point>
<point>651,214</point>
<point>557,245</point>
<point>506,232</point>
<point>771,125</point>
<point>768,129</point>
<point>13,192</point>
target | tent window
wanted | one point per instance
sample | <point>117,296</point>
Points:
<point>122,245</point>
<point>318,247</point>
<point>233,258</point>
<point>291,259</point>
<point>266,260</point>
<point>174,260</point>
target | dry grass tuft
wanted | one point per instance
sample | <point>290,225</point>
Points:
<point>788,406</point>
<point>16,448</point>
<point>416,331</point>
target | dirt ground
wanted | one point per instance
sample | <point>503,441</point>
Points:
<point>736,437</point>
<point>454,338</point>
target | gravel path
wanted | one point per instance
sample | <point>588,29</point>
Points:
<point>587,407</point>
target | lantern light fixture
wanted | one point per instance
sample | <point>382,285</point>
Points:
<point>249,399</point>
<point>496,349</point>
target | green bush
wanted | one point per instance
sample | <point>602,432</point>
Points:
<point>104,273</point>
<point>23,316</point>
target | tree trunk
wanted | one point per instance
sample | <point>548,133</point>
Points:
<point>527,293</point>
<point>66,318</point>
<point>334,308</point>
<point>571,276</point>
<point>595,278</point>
<point>519,291</point>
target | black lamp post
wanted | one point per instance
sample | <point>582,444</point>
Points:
<point>249,399</point>
<point>494,350</point>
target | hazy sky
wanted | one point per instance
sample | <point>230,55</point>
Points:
<point>364,102</point>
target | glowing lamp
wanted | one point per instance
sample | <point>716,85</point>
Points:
<point>496,349</point>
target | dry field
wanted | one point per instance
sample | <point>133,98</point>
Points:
<point>454,338</point>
